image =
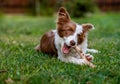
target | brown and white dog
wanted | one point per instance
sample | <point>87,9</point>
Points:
<point>59,42</point>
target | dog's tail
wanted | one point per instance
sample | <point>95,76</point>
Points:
<point>37,48</point>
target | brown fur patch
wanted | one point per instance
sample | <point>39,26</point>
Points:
<point>65,26</point>
<point>63,16</point>
<point>87,27</point>
<point>67,29</point>
<point>81,37</point>
<point>47,44</point>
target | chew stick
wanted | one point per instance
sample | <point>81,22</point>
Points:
<point>83,57</point>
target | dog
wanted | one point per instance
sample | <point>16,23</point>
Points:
<point>60,42</point>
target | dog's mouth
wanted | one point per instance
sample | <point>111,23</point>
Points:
<point>66,48</point>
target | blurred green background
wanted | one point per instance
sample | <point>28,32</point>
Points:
<point>76,8</point>
<point>23,22</point>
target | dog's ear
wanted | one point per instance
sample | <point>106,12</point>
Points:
<point>87,27</point>
<point>63,16</point>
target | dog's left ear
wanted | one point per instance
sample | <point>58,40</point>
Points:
<point>87,27</point>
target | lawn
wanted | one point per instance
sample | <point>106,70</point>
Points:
<point>20,64</point>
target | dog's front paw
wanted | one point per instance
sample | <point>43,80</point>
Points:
<point>89,57</point>
<point>93,51</point>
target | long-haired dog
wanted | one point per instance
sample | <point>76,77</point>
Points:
<point>60,42</point>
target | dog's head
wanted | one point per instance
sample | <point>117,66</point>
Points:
<point>70,32</point>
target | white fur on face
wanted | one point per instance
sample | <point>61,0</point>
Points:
<point>74,36</point>
<point>59,42</point>
<point>79,29</point>
<point>70,38</point>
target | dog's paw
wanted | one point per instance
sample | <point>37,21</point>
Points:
<point>89,57</point>
<point>93,51</point>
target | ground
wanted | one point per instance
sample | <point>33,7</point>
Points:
<point>21,64</point>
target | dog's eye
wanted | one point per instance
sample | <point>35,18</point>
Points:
<point>79,34</point>
<point>70,29</point>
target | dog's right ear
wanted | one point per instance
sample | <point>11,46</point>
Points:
<point>63,16</point>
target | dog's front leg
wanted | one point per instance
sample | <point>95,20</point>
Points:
<point>93,50</point>
<point>73,60</point>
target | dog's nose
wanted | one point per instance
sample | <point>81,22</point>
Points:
<point>72,42</point>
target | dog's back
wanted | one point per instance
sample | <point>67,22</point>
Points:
<point>47,44</point>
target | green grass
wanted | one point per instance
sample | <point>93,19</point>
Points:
<point>20,34</point>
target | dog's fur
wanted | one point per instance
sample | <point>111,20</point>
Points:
<point>59,42</point>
